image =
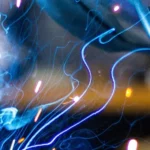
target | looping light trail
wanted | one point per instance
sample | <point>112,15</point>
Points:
<point>11,119</point>
<point>99,110</point>
<point>90,80</point>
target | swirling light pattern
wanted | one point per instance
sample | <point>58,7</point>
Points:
<point>43,106</point>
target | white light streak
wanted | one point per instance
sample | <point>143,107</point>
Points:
<point>12,144</point>
<point>38,86</point>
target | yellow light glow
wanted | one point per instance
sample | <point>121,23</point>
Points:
<point>128,92</point>
<point>21,140</point>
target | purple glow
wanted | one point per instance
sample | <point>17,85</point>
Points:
<point>18,3</point>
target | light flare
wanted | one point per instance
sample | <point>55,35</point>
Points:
<point>116,8</point>
<point>76,98</point>
<point>132,145</point>
<point>18,3</point>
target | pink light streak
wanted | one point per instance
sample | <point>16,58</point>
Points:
<point>38,115</point>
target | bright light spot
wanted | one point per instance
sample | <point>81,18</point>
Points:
<point>128,92</point>
<point>38,86</point>
<point>76,98</point>
<point>21,140</point>
<point>18,3</point>
<point>116,8</point>
<point>132,145</point>
<point>54,149</point>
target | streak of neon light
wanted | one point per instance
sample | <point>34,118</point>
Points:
<point>75,99</point>
<point>12,144</point>
<point>60,100</point>
<point>83,60</point>
<point>38,115</point>
<point>130,27</point>
<point>65,103</point>
<point>142,10</point>
<point>38,86</point>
